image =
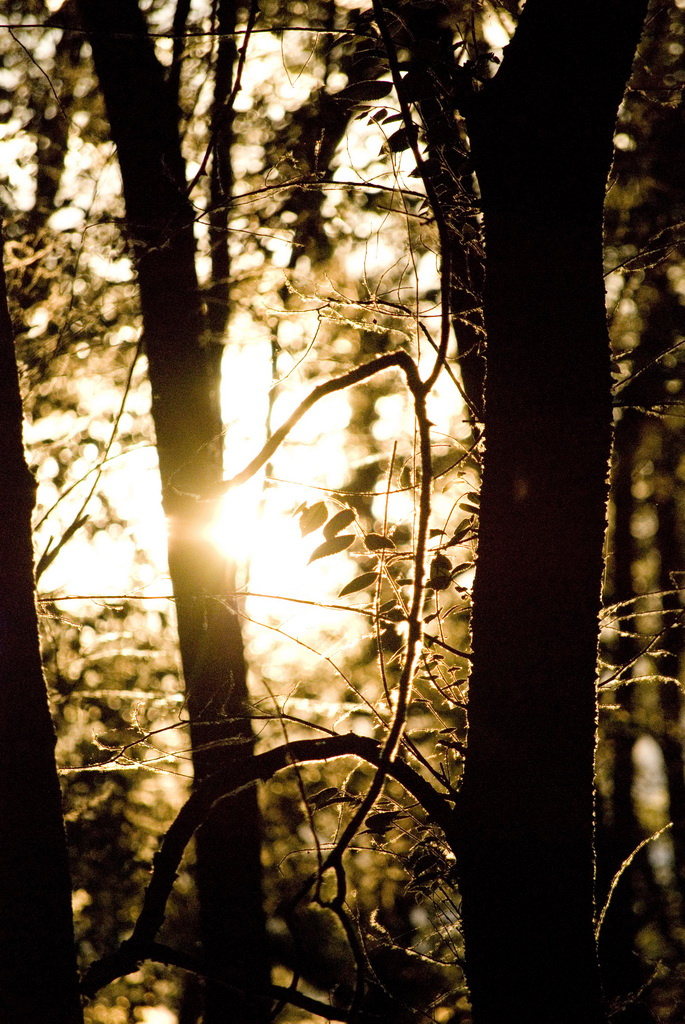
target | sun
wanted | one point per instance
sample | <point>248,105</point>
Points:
<point>237,526</point>
<point>255,529</point>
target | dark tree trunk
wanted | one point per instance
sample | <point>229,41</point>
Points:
<point>542,142</point>
<point>184,375</point>
<point>38,977</point>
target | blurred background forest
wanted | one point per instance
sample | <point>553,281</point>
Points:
<point>314,251</point>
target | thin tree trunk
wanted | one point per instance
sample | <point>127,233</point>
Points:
<point>542,142</point>
<point>668,540</point>
<point>185,405</point>
<point>622,972</point>
<point>38,976</point>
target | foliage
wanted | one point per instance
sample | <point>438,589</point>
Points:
<point>334,221</point>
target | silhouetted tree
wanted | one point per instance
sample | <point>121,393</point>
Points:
<point>38,979</point>
<point>184,368</point>
<point>541,133</point>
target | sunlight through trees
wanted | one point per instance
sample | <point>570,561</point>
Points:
<point>339,326</point>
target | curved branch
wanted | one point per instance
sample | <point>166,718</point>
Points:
<point>222,786</point>
<point>163,954</point>
<point>329,387</point>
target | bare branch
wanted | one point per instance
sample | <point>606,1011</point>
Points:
<point>222,786</point>
<point>329,387</point>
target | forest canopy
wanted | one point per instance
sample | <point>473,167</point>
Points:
<point>322,324</point>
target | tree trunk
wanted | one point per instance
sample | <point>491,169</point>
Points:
<point>38,977</point>
<point>542,142</point>
<point>620,833</point>
<point>185,405</point>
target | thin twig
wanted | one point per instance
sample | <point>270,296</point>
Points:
<point>617,877</point>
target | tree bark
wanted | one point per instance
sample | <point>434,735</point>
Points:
<point>184,375</point>
<point>541,133</point>
<point>38,976</point>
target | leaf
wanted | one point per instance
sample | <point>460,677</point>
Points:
<point>428,167</point>
<point>440,565</point>
<point>473,497</point>
<point>462,567</point>
<point>459,534</point>
<point>325,797</point>
<point>359,583</point>
<point>401,140</point>
<point>381,821</point>
<point>375,542</point>
<point>339,521</point>
<point>440,573</point>
<point>360,92</point>
<point>313,517</point>
<point>473,510</point>
<point>331,547</point>
<point>439,582</point>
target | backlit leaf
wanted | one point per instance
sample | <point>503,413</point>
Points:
<point>332,546</point>
<point>375,542</point>
<point>325,797</point>
<point>399,141</point>
<point>313,517</point>
<point>366,579</point>
<point>462,567</point>
<point>459,534</point>
<point>359,92</point>
<point>440,565</point>
<point>380,822</point>
<point>439,582</point>
<point>339,521</point>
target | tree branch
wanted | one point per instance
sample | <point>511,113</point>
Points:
<point>222,786</point>
<point>329,387</point>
